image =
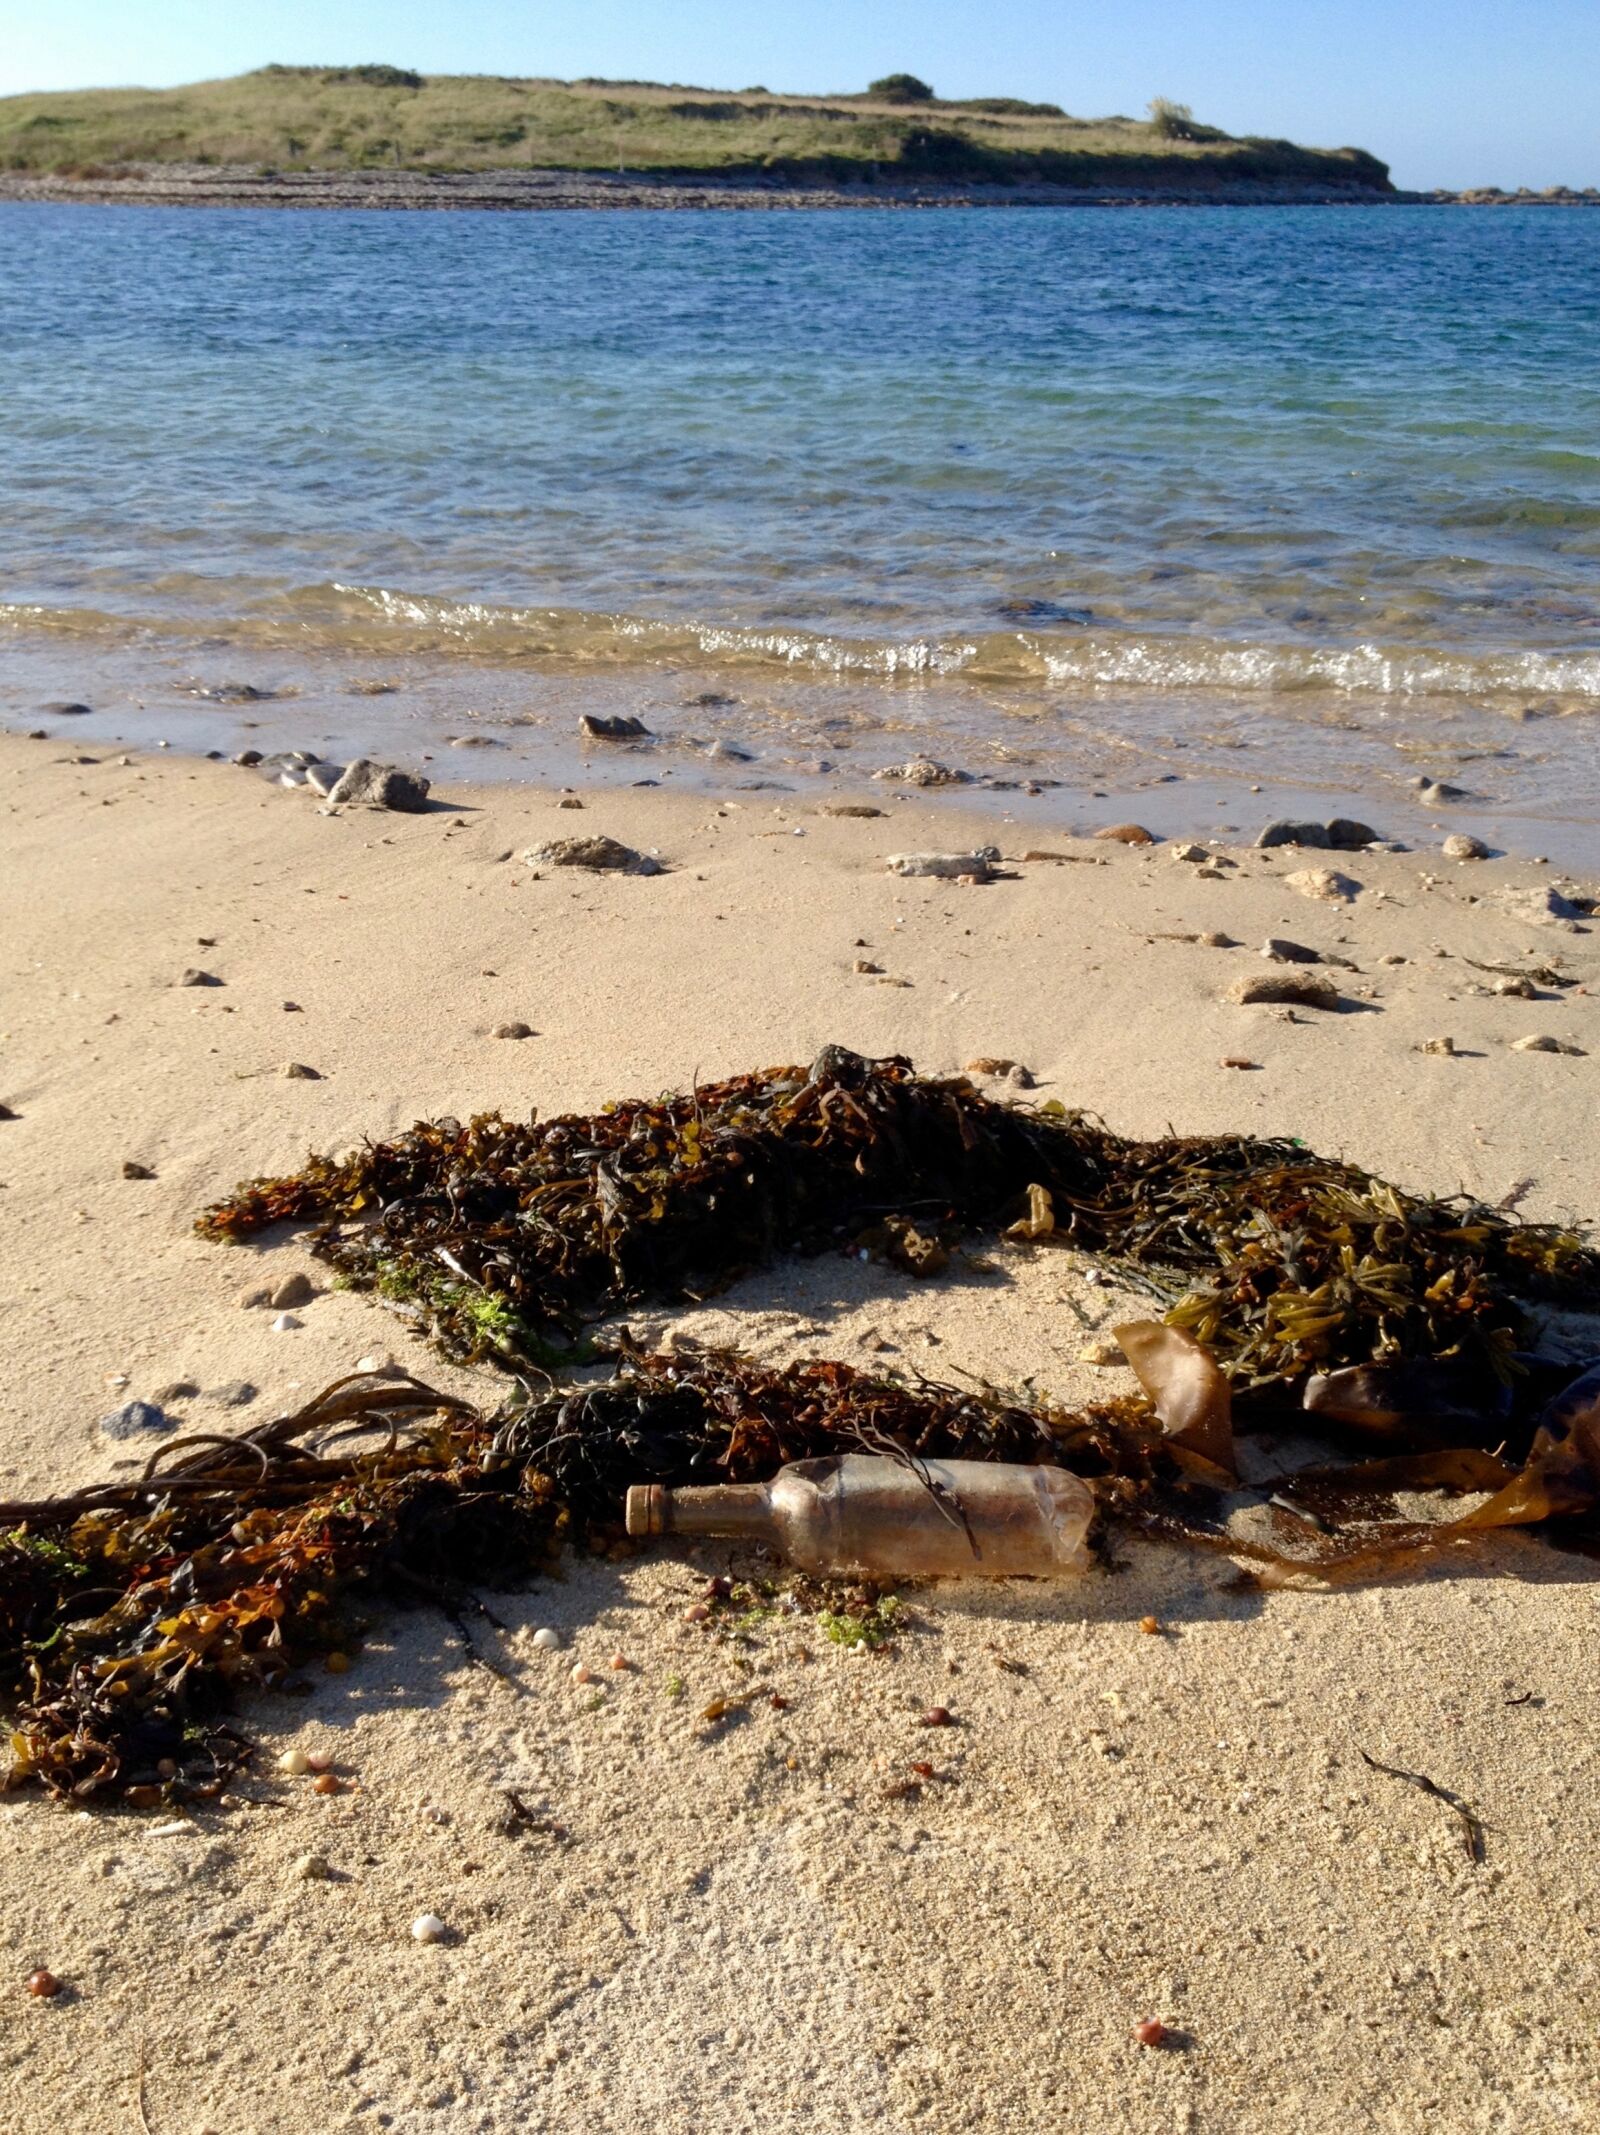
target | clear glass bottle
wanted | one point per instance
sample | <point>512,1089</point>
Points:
<point>864,1515</point>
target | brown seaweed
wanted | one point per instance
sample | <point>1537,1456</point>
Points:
<point>505,1237</point>
<point>133,1614</point>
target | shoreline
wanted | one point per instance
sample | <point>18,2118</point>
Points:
<point>751,1923</point>
<point>1190,764</point>
<point>508,190</point>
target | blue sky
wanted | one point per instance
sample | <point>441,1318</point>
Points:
<point>1451,92</point>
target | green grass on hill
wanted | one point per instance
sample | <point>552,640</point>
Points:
<point>380,118</point>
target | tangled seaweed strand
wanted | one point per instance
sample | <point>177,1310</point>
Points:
<point>500,1236</point>
<point>132,1614</point>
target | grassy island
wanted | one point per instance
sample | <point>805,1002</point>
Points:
<point>290,119</point>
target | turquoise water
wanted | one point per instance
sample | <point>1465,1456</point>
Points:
<point>1326,464</point>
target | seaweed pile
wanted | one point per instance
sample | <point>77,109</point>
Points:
<point>503,1236</point>
<point>131,1614</point>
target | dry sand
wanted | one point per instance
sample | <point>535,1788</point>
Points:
<point>740,1931</point>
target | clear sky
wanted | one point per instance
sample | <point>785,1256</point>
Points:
<point>1450,92</point>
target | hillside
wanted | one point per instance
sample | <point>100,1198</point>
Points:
<point>369,119</point>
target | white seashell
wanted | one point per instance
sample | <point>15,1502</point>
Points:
<point>581,1674</point>
<point>547,1640</point>
<point>295,1762</point>
<point>428,1927</point>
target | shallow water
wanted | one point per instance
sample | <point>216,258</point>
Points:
<point>1266,494</point>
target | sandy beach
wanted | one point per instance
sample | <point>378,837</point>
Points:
<point>747,1925</point>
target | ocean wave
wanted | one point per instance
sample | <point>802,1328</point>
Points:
<point>377,621</point>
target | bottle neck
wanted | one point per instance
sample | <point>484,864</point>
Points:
<point>741,1511</point>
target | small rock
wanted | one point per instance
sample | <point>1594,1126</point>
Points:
<point>601,855</point>
<point>295,1289</point>
<point>294,1764</point>
<point>1151,2032</point>
<point>1542,1042</point>
<point>851,808</point>
<point>42,1985</point>
<point>570,800</point>
<point>948,867</point>
<point>322,778</point>
<point>135,1419</point>
<point>234,693</point>
<point>1347,834</point>
<point>1217,941</point>
<point>297,1071</point>
<point>311,1868</point>
<point>199,978</point>
<point>1306,991</point>
<point>175,1390</point>
<point>1461,846</point>
<point>428,1927</point>
<point>247,759</point>
<point>1435,790</point>
<point>1101,1354</point>
<point>1393,957</point>
<point>924,771</point>
<point>594,728</point>
<point>253,1299</point>
<point>729,752</point>
<point>1126,834</point>
<point>7,1113</point>
<point>1198,854</point>
<point>1237,1060</point>
<point>234,1393</point>
<point>378,785</point>
<point>1445,1046</point>
<point>1324,882</point>
<point>867,968</point>
<point>1286,832</point>
<point>1281,951</point>
<point>937,1716</point>
<point>286,1323</point>
<point>547,1639</point>
<point>1514,988</point>
<point>131,1170</point>
<point>1540,908</point>
<point>66,711</point>
<point>512,1030</point>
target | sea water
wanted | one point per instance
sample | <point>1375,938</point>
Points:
<point>1228,497</point>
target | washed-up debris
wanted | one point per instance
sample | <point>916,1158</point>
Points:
<point>1445,1048</point>
<point>953,867</point>
<point>1126,834</point>
<point>131,1612</point>
<point>1460,845</point>
<point>235,693</point>
<point>1471,1826</point>
<point>1542,1042</point>
<point>924,771</point>
<point>196,977</point>
<point>1299,989</point>
<point>500,1235</point>
<point>132,1170</point>
<point>594,728</point>
<point>857,809</point>
<point>602,855</point>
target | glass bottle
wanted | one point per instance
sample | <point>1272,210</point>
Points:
<point>864,1515</point>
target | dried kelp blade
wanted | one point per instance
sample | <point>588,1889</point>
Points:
<point>501,1236</point>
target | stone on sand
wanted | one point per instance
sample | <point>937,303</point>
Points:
<point>374,785</point>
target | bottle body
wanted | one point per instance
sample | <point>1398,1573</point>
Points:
<point>862,1515</point>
